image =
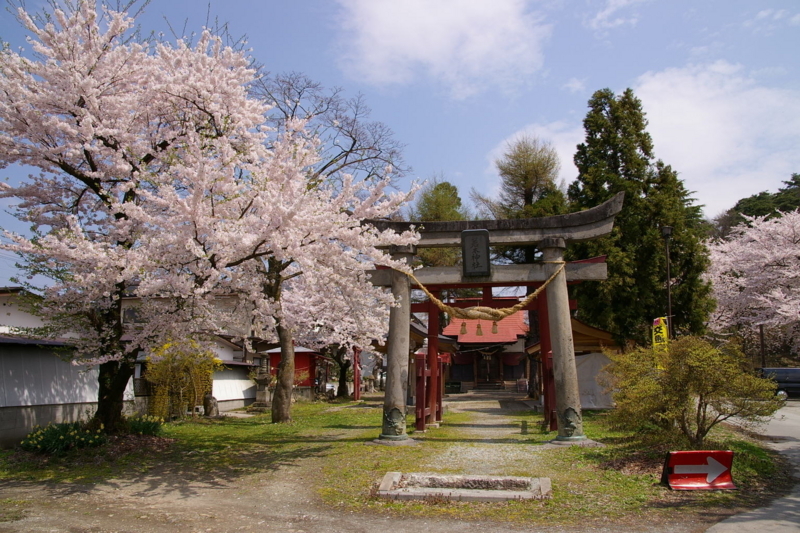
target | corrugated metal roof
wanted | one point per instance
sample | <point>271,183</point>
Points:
<point>4,339</point>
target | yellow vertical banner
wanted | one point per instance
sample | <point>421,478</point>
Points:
<point>660,332</point>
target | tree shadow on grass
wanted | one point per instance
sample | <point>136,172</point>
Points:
<point>188,479</point>
<point>512,425</point>
<point>182,474</point>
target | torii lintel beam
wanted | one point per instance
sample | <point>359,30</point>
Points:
<point>572,227</point>
<point>501,274</point>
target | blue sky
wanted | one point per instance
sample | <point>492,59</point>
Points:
<point>456,80</point>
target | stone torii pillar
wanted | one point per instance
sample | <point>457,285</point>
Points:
<point>568,400</point>
<point>394,403</point>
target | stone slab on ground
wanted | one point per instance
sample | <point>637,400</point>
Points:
<point>396,486</point>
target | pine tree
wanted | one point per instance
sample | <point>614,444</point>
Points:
<point>617,155</point>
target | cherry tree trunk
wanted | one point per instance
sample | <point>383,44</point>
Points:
<point>113,379</point>
<point>282,398</point>
<point>342,391</point>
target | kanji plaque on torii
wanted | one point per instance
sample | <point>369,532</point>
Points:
<point>475,253</point>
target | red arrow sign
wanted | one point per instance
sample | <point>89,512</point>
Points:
<point>698,470</point>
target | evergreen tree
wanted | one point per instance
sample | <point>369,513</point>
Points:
<point>763,204</point>
<point>438,201</point>
<point>617,155</point>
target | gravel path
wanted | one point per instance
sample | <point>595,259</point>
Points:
<point>483,451</point>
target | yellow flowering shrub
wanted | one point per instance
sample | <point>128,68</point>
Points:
<point>180,374</point>
<point>56,439</point>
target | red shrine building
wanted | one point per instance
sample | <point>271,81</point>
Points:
<point>495,356</point>
<point>491,355</point>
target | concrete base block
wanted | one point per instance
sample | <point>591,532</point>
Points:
<point>586,443</point>
<point>383,441</point>
<point>397,486</point>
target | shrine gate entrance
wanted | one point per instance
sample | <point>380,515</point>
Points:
<point>551,235</point>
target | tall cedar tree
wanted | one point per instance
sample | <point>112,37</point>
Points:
<point>616,156</point>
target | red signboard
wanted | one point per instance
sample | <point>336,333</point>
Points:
<point>698,470</point>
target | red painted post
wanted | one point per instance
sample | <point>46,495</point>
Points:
<point>421,376</point>
<point>550,392</point>
<point>439,410</point>
<point>549,403</point>
<point>432,402</point>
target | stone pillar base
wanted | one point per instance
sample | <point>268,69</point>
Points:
<point>393,437</point>
<point>582,441</point>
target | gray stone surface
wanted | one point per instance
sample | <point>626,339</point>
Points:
<point>394,405</point>
<point>417,486</point>
<point>565,374</point>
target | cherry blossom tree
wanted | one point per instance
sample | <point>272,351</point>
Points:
<point>104,118</point>
<point>756,275</point>
<point>159,179</point>
<point>295,252</point>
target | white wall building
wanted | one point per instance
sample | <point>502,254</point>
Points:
<point>38,385</point>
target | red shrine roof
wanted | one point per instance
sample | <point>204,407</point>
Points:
<point>509,329</point>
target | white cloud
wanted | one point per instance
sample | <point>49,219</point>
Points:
<point>767,21</point>
<point>464,46</point>
<point>575,85</point>
<point>610,17</point>
<point>728,136</point>
<point>774,14</point>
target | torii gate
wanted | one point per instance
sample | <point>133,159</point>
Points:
<point>551,235</point>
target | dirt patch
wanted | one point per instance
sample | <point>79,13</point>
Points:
<point>636,464</point>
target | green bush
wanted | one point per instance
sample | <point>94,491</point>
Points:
<point>56,439</point>
<point>688,388</point>
<point>145,424</point>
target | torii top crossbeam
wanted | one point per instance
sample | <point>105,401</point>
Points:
<point>572,227</point>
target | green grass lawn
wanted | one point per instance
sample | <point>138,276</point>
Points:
<point>331,443</point>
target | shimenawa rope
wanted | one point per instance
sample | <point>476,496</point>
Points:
<point>487,313</point>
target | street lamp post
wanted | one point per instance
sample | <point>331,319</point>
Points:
<point>666,232</point>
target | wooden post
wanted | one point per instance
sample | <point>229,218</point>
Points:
<point>420,404</point>
<point>439,393</point>
<point>548,387</point>
<point>432,392</point>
